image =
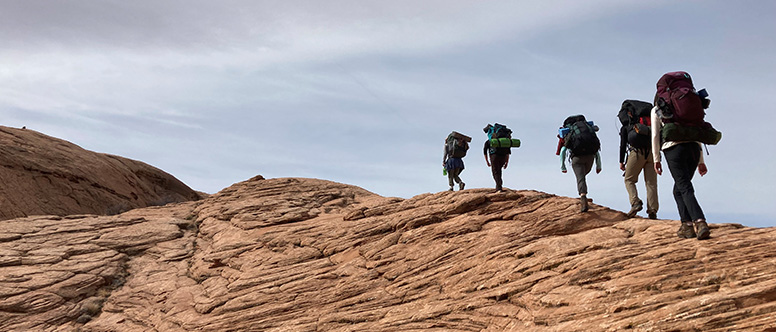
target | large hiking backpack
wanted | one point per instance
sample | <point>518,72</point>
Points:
<point>635,116</point>
<point>580,137</point>
<point>498,134</point>
<point>457,144</point>
<point>682,110</point>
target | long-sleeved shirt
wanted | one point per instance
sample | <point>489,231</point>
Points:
<point>563,151</point>
<point>657,125</point>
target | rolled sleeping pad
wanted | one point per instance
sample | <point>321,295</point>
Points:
<point>504,142</point>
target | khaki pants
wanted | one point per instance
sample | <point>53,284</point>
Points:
<point>635,164</point>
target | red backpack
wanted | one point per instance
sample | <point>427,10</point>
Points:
<point>676,95</point>
<point>682,110</point>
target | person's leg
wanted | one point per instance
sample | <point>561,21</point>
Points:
<point>650,180</point>
<point>682,161</point>
<point>457,177</point>
<point>450,177</point>
<point>497,164</point>
<point>632,169</point>
<point>581,166</point>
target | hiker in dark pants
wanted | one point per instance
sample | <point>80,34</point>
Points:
<point>682,158</point>
<point>497,159</point>
<point>581,165</point>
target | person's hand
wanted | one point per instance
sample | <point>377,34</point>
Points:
<point>563,171</point>
<point>622,166</point>
<point>597,170</point>
<point>505,164</point>
<point>658,168</point>
<point>702,170</point>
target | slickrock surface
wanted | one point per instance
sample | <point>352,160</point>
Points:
<point>312,255</point>
<point>43,175</point>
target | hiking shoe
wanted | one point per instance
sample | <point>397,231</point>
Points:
<point>702,229</point>
<point>583,203</point>
<point>451,188</point>
<point>461,185</point>
<point>686,231</point>
<point>652,215</point>
<point>635,209</point>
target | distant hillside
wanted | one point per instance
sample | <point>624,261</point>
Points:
<point>42,175</point>
<point>312,255</point>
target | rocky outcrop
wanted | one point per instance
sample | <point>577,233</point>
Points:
<point>312,255</point>
<point>42,175</point>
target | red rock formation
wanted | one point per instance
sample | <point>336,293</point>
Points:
<point>42,175</point>
<point>312,255</point>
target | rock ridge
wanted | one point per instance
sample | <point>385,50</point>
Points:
<point>42,175</point>
<point>295,254</point>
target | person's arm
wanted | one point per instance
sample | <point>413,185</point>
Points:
<point>444,158</point>
<point>598,162</point>
<point>657,124</point>
<point>506,162</point>
<point>702,169</point>
<point>623,145</point>
<point>485,152</point>
<point>563,159</point>
<point>560,145</point>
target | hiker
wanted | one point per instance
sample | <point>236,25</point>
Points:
<point>578,137</point>
<point>678,129</point>
<point>636,144</point>
<point>497,156</point>
<point>456,146</point>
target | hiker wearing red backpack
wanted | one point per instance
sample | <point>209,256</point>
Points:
<point>578,136</point>
<point>679,129</point>
<point>636,144</point>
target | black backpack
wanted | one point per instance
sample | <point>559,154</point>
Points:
<point>498,130</point>
<point>635,116</point>
<point>456,145</point>
<point>581,138</point>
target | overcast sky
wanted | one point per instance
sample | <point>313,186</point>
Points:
<point>364,92</point>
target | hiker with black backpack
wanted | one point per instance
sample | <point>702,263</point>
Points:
<point>679,130</point>
<point>578,136</point>
<point>497,150</point>
<point>636,143</point>
<point>456,146</point>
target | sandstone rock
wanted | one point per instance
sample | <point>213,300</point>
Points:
<point>313,255</point>
<point>42,175</point>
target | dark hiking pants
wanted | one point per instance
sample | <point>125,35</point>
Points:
<point>497,162</point>
<point>682,161</point>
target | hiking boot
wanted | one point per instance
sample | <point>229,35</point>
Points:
<point>461,185</point>
<point>583,203</point>
<point>702,229</point>
<point>652,215</point>
<point>686,231</point>
<point>451,188</point>
<point>635,209</point>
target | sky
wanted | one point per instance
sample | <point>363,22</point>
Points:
<point>365,92</point>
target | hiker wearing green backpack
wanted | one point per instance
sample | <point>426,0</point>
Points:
<point>679,130</point>
<point>578,137</point>
<point>497,150</point>
<point>456,146</point>
<point>636,144</point>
